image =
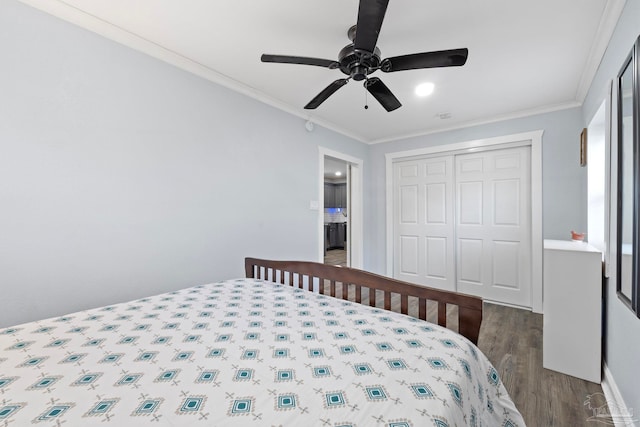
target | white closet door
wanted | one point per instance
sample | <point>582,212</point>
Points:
<point>424,222</point>
<point>493,225</point>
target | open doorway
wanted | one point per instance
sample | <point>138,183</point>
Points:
<point>340,219</point>
<point>336,211</point>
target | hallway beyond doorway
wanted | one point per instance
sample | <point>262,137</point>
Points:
<point>336,257</point>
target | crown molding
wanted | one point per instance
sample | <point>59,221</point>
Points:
<point>608,22</point>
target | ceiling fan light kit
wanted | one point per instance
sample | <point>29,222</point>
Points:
<point>361,58</point>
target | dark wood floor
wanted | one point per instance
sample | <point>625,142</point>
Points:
<point>512,340</point>
<point>336,257</point>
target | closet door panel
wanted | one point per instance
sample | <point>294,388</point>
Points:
<point>494,207</point>
<point>423,216</point>
<point>463,222</point>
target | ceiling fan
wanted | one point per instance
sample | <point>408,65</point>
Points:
<point>361,58</point>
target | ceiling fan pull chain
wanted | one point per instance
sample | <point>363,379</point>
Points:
<point>366,94</point>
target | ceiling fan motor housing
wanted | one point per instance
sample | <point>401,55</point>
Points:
<point>358,64</point>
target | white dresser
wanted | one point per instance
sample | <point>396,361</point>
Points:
<point>572,309</point>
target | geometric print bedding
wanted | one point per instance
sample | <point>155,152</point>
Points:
<point>245,353</point>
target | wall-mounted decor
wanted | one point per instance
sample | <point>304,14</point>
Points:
<point>628,206</point>
<point>583,147</point>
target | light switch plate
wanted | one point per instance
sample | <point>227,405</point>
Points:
<point>314,205</point>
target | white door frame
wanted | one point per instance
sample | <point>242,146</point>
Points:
<point>355,204</point>
<point>533,138</point>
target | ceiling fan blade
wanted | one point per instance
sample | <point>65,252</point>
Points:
<point>326,93</point>
<point>370,17</point>
<point>382,93</point>
<point>302,60</point>
<point>442,58</point>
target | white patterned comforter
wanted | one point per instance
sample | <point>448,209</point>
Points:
<point>245,353</point>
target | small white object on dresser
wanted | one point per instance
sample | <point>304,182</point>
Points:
<point>572,309</point>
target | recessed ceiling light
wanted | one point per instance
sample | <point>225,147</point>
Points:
<point>425,89</point>
<point>338,173</point>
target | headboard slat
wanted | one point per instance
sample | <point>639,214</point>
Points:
<point>469,307</point>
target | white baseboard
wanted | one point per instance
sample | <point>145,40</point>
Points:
<point>506,304</point>
<point>620,414</point>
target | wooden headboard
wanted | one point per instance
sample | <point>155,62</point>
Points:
<point>363,287</point>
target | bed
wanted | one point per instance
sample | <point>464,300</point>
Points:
<point>292,343</point>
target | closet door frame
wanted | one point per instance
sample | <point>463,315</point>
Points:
<point>533,139</point>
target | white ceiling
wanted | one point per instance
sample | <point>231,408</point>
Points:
<point>525,57</point>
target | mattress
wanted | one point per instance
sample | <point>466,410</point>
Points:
<point>246,352</point>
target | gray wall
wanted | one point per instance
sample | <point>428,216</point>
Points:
<point>122,176</point>
<point>622,333</point>
<point>563,180</point>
